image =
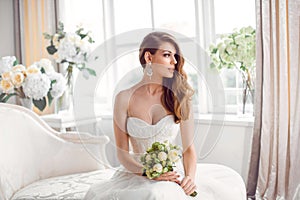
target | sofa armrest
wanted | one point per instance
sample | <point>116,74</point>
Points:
<point>84,137</point>
<point>87,139</point>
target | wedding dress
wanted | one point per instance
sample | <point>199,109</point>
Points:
<point>214,182</point>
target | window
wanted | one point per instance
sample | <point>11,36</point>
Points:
<point>196,22</point>
<point>229,15</point>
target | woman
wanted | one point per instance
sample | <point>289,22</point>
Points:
<point>154,110</point>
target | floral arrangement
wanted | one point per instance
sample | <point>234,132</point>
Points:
<point>71,48</point>
<point>161,158</point>
<point>35,82</point>
<point>237,50</point>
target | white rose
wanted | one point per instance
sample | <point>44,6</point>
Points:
<point>158,168</point>
<point>162,156</point>
<point>33,69</point>
<point>46,64</point>
<point>17,79</point>
<point>6,63</point>
<point>173,155</point>
<point>59,86</point>
<point>18,68</point>
<point>7,86</point>
<point>148,158</point>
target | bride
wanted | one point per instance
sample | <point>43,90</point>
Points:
<point>154,110</point>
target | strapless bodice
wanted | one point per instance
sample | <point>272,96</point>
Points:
<point>142,134</point>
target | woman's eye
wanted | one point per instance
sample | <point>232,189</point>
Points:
<point>166,55</point>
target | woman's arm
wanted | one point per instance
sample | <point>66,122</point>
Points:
<point>121,135</point>
<point>189,154</point>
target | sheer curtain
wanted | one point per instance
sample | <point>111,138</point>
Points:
<point>31,19</point>
<point>275,161</point>
<point>34,18</point>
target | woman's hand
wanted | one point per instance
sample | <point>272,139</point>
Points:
<point>169,176</point>
<point>188,185</point>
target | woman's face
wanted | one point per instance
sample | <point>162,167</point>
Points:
<point>163,61</point>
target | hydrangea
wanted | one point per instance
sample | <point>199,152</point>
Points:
<point>36,86</point>
<point>234,50</point>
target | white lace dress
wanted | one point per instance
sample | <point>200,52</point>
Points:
<point>214,182</point>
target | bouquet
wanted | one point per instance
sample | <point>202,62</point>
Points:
<point>35,82</point>
<point>237,50</point>
<point>161,158</point>
<point>71,48</point>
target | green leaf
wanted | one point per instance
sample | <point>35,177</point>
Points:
<point>91,71</point>
<point>50,98</point>
<point>214,50</point>
<point>5,97</point>
<point>47,36</point>
<point>40,104</point>
<point>16,62</point>
<point>60,27</point>
<point>2,95</point>
<point>212,65</point>
<point>51,49</point>
<point>91,40</point>
<point>43,70</point>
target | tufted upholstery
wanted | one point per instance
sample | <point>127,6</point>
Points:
<point>30,152</point>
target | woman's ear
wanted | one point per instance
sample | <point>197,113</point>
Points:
<point>147,56</point>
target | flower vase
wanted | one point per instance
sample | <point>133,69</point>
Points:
<point>65,102</point>
<point>26,102</point>
<point>246,108</point>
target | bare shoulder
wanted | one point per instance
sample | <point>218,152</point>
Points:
<point>123,97</point>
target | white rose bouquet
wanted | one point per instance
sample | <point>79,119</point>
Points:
<point>35,82</point>
<point>71,48</point>
<point>161,158</point>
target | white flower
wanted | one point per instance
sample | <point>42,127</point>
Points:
<point>18,68</point>
<point>33,69</point>
<point>36,86</point>
<point>17,79</point>
<point>7,86</point>
<point>158,168</point>
<point>46,64</point>
<point>173,155</point>
<point>6,63</point>
<point>6,75</point>
<point>148,158</point>
<point>59,86</point>
<point>162,156</point>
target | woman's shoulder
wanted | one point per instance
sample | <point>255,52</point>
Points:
<point>125,95</point>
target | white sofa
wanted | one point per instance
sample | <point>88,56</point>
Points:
<point>37,162</point>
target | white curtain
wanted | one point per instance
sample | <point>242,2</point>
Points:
<point>275,160</point>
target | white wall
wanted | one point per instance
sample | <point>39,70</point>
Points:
<point>6,28</point>
<point>229,145</point>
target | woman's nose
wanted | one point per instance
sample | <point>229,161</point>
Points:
<point>174,60</point>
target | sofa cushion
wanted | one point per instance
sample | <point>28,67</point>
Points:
<point>72,186</point>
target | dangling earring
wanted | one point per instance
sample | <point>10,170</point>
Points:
<point>149,70</point>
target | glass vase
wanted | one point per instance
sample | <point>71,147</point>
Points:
<point>65,102</point>
<point>26,102</point>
